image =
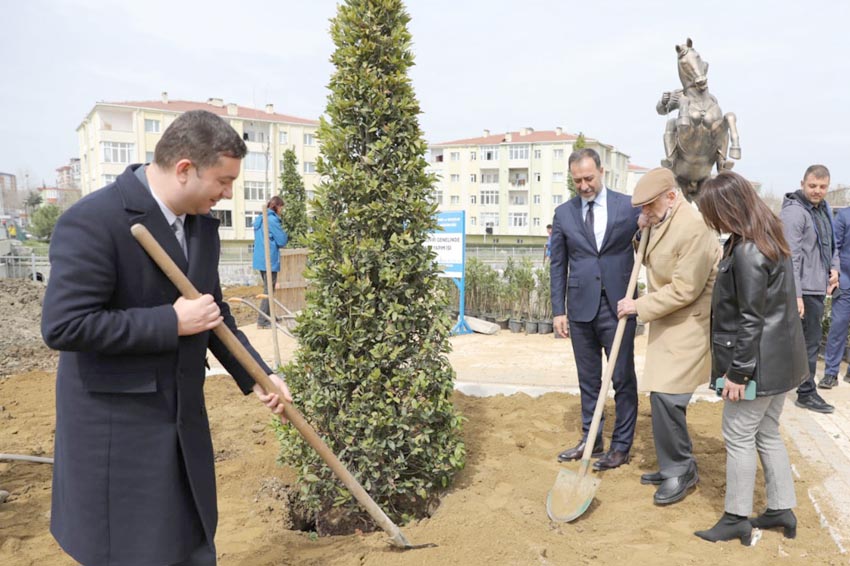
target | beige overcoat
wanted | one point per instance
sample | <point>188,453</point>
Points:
<point>681,265</point>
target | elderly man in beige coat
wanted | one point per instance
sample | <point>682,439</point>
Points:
<point>681,265</point>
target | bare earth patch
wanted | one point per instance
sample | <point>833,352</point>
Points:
<point>493,514</point>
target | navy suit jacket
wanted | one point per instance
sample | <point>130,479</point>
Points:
<point>578,270</point>
<point>133,466</point>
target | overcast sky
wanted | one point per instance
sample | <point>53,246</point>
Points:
<point>594,66</point>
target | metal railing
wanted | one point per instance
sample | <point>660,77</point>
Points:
<point>235,263</point>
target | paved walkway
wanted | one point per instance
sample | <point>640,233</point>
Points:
<point>507,363</point>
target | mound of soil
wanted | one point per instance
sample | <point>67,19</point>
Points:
<point>21,346</point>
<point>493,514</point>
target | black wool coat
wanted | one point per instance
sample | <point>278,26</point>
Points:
<point>134,479</point>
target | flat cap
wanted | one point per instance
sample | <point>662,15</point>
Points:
<point>652,185</point>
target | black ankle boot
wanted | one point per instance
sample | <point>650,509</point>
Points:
<point>777,518</point>
<point>728,527</point>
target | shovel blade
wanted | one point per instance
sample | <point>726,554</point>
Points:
<point>571,495</point>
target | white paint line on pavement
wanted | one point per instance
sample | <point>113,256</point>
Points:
<point>824,522</point>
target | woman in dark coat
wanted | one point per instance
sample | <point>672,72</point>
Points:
<point>757,336</point>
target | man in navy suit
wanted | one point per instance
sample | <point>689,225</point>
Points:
<point>836,341</point>
<point>591,261</point>
<point>134,480</point>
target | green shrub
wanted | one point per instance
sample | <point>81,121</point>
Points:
<point>371,373</point>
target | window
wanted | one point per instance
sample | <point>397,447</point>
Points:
<point>151,126</point>
<point>518,152</point>
<point>473,156</point>
<point>536,221</point>
<point>225,218</point>
<point>537,177</point>
<point>309,166</point>
<point>309,139</point>
<point>455,199</point>
<point>107,179</point>
<point>489,196</point>
<point>472,199</point>
<point>455,178</point>
<point>148,157</point>
<point>558,177</point>
<point>519,200</point>
<point>438,197</point>
<point>490,178</point>
<point>117,152</point>
<point>489,152</point>
<point>536,199</point>
<point>517,219</point>
<point>256,190</point>
<point>557,154</point>
<point>557,199</point>
<point>473,178</point>
<point>283,137</point>
<point>473,221</point>
<point>256,161</point>
<point>454,156</point>
<point>538,154</point>
<point>490,219</point>
<point>250,215</point>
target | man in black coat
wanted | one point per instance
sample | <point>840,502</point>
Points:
<point>134,479</point>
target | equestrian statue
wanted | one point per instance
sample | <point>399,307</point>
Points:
<point>699,137</point>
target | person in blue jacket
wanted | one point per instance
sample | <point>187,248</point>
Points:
<point>277,239</point>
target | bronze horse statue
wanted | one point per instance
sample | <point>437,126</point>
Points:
<point>699,137</point>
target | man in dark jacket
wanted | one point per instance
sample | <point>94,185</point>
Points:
<point>134,480</point>
<point>807,221</point>
<point>591,261</point>
<point>836,342</point>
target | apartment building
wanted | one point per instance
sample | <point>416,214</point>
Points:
<point>9,198</point>
<point>509,184</point>
<point>116,134</point>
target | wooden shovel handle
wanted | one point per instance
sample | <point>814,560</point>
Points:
<point>612,360</point>
<point>179,279</point>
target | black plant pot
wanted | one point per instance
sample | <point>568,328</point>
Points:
<point>531,327</point>
<point>544,327</point>
<point>502,322</point>
<point>515,325</point>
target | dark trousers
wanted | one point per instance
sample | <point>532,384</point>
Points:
<point>673,447</point>
<point>264,304</point>
<point>589,340</point>
<point>812,332</point>
<point>836,342</point>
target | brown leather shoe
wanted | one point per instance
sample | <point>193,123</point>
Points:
<point>612,459</point>
<point>576,452</point>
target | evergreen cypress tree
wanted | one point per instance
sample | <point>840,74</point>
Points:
<point>294,214</point>
<point>580,143</point>
<point>371,373</point>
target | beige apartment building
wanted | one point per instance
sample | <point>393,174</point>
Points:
<point>116,134</point>
<point>511,183</point>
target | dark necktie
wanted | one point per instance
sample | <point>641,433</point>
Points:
<point>588,221</point>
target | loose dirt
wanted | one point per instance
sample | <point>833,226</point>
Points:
<point>493,514</point>
<point>21,345</point>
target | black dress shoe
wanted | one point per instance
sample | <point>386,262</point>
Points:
<point>728,527</point>
<point>828,381</point>
<point>577,451</point>
<point>675,489</point>
<point>653,478</point>
<point>777,518</point>
<point>612,459</point>
<point>814,402</point>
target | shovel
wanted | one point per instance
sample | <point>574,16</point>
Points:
<point>573,493</point>
<point>179,279</point>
